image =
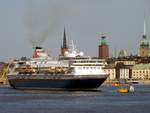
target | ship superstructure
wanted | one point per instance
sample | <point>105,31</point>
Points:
<point>81,64</point>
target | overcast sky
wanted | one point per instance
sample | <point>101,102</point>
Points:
<point>26,23</point>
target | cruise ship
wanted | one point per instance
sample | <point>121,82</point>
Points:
<point>73,71</point>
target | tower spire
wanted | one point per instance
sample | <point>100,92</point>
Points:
<point>64,47</point>
<point>64,39</point>
<point>144,44</point>
<point>144,26</point>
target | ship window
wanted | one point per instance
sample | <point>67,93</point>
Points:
<point>87,67</point>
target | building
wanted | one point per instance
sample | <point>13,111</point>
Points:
<point>111,71</point>
<point>141,71</point>
<point>144,44</point>
<point>123,53</point>
<point>64,46</point>
<point>123,71</point>
<point>103,48</point>
<point>126,62</point>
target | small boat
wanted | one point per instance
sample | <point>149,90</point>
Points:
<point>131,88</point>
<point>123,90</point>
<point>116,84</point>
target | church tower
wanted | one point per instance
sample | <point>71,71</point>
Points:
<point>144,44</point>
<point>103,48</point>
<point>64,46</point>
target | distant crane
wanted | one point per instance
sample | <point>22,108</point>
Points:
<point>4,72</point>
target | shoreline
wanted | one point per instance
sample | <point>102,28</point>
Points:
<point>142,82</point>
<point>137,82</point>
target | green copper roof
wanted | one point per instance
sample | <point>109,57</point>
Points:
<point>141,66</point>
<point>103,40</point>
<point>144,42</point>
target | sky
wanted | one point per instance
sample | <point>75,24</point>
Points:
<point>27,23</point>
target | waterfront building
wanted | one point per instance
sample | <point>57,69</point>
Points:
<point>141,71</point>
<point>111,71</point>
<point>144,44</point>
<point>124,73</point>
<point>103,48</point>
<point>126,62</point>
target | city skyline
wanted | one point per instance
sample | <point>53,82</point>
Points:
<point>84,20</point>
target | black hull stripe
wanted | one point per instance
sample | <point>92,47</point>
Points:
<point>56,84</point>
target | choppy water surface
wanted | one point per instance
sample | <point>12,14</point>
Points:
<point>105,100</point>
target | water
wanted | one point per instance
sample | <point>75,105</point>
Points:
<point>105,100</point>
